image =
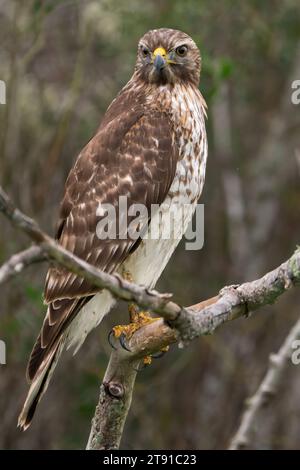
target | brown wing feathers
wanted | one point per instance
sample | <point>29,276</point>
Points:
<point>124,158</point>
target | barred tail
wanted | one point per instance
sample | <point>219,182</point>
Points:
<point>39,384</point>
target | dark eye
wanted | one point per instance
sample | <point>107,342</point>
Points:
<point>145,51</point>
<point>181,51</point>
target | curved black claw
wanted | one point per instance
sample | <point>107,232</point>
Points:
<point>159,355</point>
<point>111,335</point>
<point>123,342</point>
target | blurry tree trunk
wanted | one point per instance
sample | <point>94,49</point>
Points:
<point>250,224</point>
<point>238,238</point>
<point>269,171</point>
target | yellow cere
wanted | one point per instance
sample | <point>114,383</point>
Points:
<point>160,51</point>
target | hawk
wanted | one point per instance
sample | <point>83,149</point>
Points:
<point>150,148</point>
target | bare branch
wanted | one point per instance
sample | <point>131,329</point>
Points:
<point>266,391</point>
<point>113,404</point>
<point>18,262</point>
<point>236,301</point>
<point>190,322</point>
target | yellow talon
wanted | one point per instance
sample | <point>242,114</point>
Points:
<point>119,330</point>
<point>138,319</point>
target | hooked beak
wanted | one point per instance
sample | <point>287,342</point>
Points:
<point>159,63</point>
<point>159,59</point>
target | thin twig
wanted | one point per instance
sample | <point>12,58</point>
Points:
<point>18,262</point>
<point>266,391</point>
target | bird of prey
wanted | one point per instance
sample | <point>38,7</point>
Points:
<point>150,148</point>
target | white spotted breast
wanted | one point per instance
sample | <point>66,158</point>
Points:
<point>186,108</point>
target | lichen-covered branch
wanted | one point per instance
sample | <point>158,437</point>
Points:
<point>235,301</point>
<point>266,391</point>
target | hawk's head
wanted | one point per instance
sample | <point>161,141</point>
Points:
<point>168,56</point>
